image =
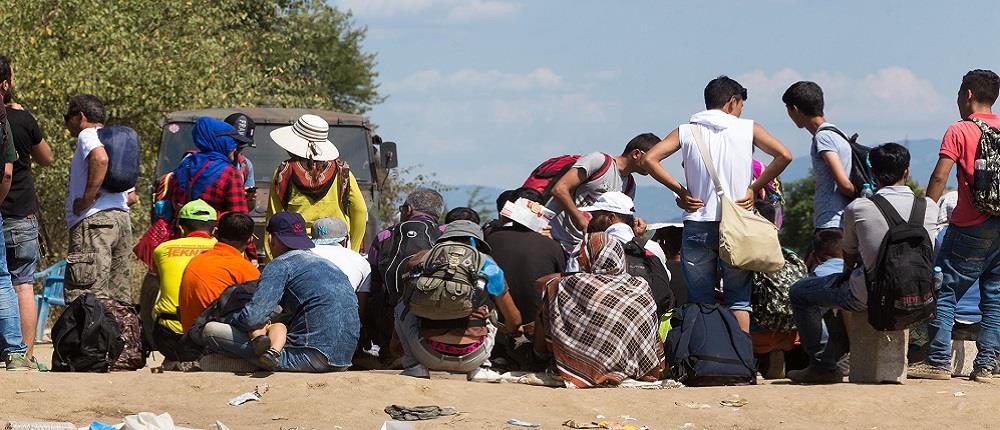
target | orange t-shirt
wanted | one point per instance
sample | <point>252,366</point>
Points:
<point>207,275</point>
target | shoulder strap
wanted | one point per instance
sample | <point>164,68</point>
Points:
<point>889,212</point>
<point>706,157</point>
<point>344,179</point>
<point>918,211</point>
<point>833,129</point>
<point>983,126</point>
<point>608,162</point>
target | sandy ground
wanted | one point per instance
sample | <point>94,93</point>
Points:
<point>355,400</point>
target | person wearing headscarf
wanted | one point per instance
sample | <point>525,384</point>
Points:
<point>314,181</point>
<point>600,324</point>
<point>211,174</point>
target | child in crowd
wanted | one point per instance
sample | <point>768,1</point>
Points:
<point>829,252</point>
<point>268,341</point>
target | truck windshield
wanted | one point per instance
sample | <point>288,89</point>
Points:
<point>350,140</point>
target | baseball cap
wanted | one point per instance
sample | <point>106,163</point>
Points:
<point>614,201</point>
<point>197,210</point>
<point>244,126</point>
<point>329,231</point>
<point>290,229</point>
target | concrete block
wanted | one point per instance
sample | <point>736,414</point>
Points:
<point>876,356</point>
<point>963,354</point>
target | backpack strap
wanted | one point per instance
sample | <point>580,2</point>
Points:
<point>706,157</point>
<point>343,178</point>
<point>983,126</point>
<point>918,211</point>
<point>833,129</point>
<point>890,213</point>
<point>683,345</point>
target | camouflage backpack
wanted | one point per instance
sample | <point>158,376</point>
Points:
<point>769,298</point>
<point>449,284</point>
<point>986,175</point>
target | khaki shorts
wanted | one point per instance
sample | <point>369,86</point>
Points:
<point>100,256</point>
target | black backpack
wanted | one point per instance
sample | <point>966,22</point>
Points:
<point>861,167</point>
<point>232,300</point>
<point>407,239</point>
<point>705,347</point>
<point>122,145</point>
<point>86,337</point>
<point>901,285</point>
<point>647,266</point>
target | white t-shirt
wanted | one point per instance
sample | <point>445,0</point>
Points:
<point>78,172</point>
<point>356,267</point>
<point>730,142</point>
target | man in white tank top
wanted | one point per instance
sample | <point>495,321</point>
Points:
<point>731,141</point>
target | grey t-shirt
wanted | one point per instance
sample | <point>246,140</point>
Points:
<point>865,227</point>
<point>828,203</point>
<point>563,229</point>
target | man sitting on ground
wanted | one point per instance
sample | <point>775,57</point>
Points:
<point>195,221</point>
<point>864,229</point>
<point>464,344</point>
<point>318,298</point>
<point>524,255</point>
<point>210,273</point>
<point>333,243</point>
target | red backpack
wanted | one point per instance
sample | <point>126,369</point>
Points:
<point>544,177</point>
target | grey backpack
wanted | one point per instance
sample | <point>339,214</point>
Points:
<point>447,284</point>
<point>986,174</point>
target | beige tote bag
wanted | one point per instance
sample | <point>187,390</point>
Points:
<point>746,240</point>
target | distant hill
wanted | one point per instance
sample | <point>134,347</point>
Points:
<point>655,203</point>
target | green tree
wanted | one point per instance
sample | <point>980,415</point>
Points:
<point>481,203</point>
<point>398,184</point>
<point>797,230</point>
<point>146,58</point>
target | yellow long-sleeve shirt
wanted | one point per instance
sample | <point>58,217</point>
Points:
<point>328,206</point>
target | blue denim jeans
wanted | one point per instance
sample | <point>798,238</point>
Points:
<point>227,340</point>
<point>966,255</point>
<point>21,237</point>
<point>810,298</point>
<point>10,317</point>
<point>701,265</point>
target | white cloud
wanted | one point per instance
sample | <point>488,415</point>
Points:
<point>477,80</point>
<point>453,10</point>
<point>888,92</point>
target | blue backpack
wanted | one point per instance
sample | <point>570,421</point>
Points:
<point>122,146</point>
<point>706,347</point>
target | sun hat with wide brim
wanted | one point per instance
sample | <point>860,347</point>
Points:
<point>307,138</point>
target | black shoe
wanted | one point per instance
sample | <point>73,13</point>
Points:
<point>811,375</point>
<point>270,358</point>
<point>260,344</point>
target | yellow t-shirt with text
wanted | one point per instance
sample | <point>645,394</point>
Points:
<point>171,258</point>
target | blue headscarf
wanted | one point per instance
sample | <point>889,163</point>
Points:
<point>214,142</point>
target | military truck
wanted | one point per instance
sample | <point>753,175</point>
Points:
<point>368,157</point>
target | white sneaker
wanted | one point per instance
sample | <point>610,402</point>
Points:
<point>483,374</point>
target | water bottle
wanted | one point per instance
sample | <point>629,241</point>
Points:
<point>938,278</point>
<point>867,191</point>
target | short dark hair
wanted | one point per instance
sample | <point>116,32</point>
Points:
<point>807,96</point>
<point>829,243</point>
<point>530,194</point>
<point>984,85</point>
<point>196,225</point>
<point>6,71</point>
<point>720,90</point>
<point>505,197</point>
<point>670,238</point>
<point>89,105</point>
<point>889,163</point>
<point>234,227</point>
<point>462,213</point>
<point>642,142</point>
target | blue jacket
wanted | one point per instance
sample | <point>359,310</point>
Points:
<point>318,297</point>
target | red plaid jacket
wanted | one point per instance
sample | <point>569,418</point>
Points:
<point>226,194</point>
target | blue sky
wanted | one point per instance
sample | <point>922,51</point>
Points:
<point>481,91</point>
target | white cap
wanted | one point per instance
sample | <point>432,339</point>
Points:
<point>612,201</point>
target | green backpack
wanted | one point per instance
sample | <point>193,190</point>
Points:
<point>447,284</point>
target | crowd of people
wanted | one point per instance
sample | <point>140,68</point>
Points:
<point>587,295</point>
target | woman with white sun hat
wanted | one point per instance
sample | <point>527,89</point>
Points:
<point>314,181</point>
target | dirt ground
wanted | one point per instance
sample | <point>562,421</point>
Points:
<point>355,400</point>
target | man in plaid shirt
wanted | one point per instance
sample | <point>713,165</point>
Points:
<point>210,174</point>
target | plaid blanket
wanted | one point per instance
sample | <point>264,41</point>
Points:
<point>601,325</point>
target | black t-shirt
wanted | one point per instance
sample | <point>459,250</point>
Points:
<point>525,256</point>
<point>20,200</point>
